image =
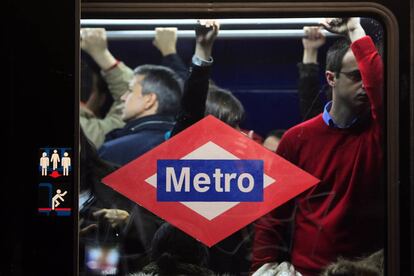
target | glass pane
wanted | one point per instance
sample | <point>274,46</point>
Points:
<point>293,179</point>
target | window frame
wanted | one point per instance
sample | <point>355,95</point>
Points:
<point>314,9</point>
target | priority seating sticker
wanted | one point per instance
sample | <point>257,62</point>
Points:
<point>210,180</point>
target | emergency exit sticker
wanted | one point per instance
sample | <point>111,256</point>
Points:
<point>210,180</point>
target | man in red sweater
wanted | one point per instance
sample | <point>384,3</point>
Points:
<point>342,215</point>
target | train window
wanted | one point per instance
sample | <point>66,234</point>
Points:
<point>315,87</point>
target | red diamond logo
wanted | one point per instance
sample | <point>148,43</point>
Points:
<point>210,222</point>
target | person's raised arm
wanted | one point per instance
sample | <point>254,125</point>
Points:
<point>196,86</point>
<point>94,42</point>
<point>313,39</point>
<point>117,76</point>
<point>165,41</point>
<point>369,60</point>
<point>350,27</point>
<point>308,85</point>
<point>206,34</point>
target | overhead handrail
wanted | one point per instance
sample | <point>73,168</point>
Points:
<point>137,35</point>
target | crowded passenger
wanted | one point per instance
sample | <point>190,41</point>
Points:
<point>149,110</point>
<point>95,122</point>
<point>107,218</point>
<point>342,215</point>
<point>310,98</point>
<point>173,252</point>
<point>202,98</point>
<point>96,117</point>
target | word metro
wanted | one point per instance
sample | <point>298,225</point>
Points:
<point>210,180</point>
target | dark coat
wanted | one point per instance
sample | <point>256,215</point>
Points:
<point>135,138</point>
<point>193,102</point>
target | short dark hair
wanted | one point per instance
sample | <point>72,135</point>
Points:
<point>222,104</point>
<point>163,82</point>
<point>336,54</point>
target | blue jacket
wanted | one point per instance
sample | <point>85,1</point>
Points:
<point>135,138</point>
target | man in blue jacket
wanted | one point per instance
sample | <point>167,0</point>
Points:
<point>149,109</point>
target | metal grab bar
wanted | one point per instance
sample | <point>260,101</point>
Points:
<point>138,35</point>
<point>187,22</point>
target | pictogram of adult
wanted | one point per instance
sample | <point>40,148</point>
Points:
<point>44,163</point>
<point>55,159</point>
<point>66,163</point>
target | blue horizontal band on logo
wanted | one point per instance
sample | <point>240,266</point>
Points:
<point>210,180</point>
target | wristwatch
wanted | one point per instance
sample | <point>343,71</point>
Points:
<point>201,62</point>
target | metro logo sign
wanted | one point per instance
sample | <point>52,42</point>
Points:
<point>210,181</point>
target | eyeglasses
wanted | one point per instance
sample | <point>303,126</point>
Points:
<point>354,75</point>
